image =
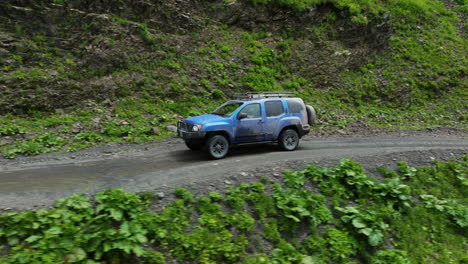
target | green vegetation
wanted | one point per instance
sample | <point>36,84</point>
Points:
<point>415,215</point>
<point>397,64</point>
<point>133,121</point>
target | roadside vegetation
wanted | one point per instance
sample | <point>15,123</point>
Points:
<point>314,215</point>
<point>114,76</point>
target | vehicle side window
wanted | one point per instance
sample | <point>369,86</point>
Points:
<point>252,111</point>
<point>295,107</point>
<point>274,108</point>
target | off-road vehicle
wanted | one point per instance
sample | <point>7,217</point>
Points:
<point>275,117</point>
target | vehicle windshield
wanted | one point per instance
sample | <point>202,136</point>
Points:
<point>227,109</point>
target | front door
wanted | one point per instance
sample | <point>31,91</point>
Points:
<point>250,128</point>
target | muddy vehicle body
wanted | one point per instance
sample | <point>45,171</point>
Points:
<point>250,118</point>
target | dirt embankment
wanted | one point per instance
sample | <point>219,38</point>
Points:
<point>58,56</point>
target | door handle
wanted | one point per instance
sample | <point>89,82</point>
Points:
<point>260,121</point>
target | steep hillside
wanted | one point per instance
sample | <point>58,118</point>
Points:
<point>76,73</point>
<point>338,215</point>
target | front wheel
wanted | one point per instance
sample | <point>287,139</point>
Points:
<point>217,146</point>
<point>288,140</point>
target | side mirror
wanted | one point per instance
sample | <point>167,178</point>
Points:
<point>242,116</point>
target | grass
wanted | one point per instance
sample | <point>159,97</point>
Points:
<point>350,217</point>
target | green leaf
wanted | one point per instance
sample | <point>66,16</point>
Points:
<point>138,250</point>
<point>293,218</point>
<point>77,254</point>
<point>13,241</point>
<point>357,222</point>
<point>54,230</point>
<point>116,214</point>
<point>124,228</point>
<point>375,237</point>
<point>141,238</point>
<point>32,239</point>
<point>308,260</point>
<point>365,231</point>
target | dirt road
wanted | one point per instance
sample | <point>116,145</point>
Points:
<point>36,182</point>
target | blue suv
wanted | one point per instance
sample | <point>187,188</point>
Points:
<point>250,118</point>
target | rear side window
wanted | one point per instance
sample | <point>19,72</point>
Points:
<point>295,106</point>
<point>274,108</point>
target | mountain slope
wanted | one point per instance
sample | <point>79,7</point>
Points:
<point>91,72</point>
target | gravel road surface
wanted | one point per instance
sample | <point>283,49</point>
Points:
<point>33,183</point>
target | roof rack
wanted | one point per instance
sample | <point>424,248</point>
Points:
<point>262,95</point>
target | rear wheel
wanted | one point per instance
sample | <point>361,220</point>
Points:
<point>289,140</point>
<point>217,146</point>
<point>193,146</point>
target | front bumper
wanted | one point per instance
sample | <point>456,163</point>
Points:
<point>182,132</point>
<point>191,135</point>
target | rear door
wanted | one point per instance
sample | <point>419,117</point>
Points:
<point>250,129</point>
<point>274,110</point>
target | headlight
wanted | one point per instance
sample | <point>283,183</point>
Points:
<point>196,128</point>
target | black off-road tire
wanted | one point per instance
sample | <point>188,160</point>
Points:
<point>217,146</point>
<point>193,146</point>
<point>288,140</point>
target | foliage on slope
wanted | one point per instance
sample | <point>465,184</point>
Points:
<point>88,74</point>
<point>316,215</point>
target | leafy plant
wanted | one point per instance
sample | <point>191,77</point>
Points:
<point>366,222</point>
<point>390,256</point>
<point>406,172</point>
<point>250,223</point>
<point>457,211</point>
<point>346,181</point>
<point>294,179</point>
<point>301,205</point>
<point>120,205</point>
<point>153,257</point>
<point>10,129</point>
<point>89,136</point>
<point>72,232</point>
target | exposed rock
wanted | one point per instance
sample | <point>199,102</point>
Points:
<point>155,130</point>
<point>342,132</point>
<point>4,52</point>
<point>107,102</point>
<point>171,128</point>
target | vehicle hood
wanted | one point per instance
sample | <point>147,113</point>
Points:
<point>205,119</point>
